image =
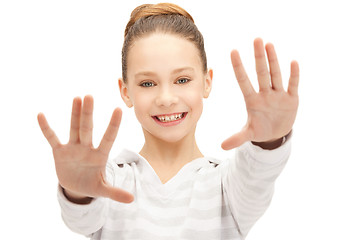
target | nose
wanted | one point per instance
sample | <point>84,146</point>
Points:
<point>166,98</point>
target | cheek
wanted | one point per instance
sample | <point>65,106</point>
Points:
<point>194,99</point>
<point>141,105</point>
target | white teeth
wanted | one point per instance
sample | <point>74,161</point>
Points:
<point>170,118</point>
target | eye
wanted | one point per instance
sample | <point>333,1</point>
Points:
<point>147,84</point>
<point>182,80</point>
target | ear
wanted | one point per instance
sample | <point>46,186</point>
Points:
<point>125,93</point>
<point>208,83</point>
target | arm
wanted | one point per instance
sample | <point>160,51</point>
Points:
<point>88,216</point>
<point>249,180</point>
<point>81,169</point>
<point>84,219</point>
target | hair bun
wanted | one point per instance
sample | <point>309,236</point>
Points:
<point>147,10</point>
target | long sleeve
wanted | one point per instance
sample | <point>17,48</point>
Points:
<point>86,219</point>
<point>83,219</point>
<point>249,182</point>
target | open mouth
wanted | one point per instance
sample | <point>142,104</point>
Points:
<point>170,117</point>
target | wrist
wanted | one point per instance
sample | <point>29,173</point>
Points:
<point>273,144</point>
<point>75,197</point>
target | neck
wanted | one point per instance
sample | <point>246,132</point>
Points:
<point>159,152</point>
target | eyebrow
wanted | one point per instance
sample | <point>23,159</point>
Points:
<point>179,70</point>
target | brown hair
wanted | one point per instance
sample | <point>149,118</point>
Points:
<point>161,17</point>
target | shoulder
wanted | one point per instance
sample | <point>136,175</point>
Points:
<point>127,156</point>
<point>214,162</point>
<point>124,160</point>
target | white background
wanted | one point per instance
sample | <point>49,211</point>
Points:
<point>52,51</point>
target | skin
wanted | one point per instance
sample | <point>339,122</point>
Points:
<point>173,68</point>
<point>271,112</point>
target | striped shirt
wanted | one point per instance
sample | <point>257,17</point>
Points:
<point>207,199</point>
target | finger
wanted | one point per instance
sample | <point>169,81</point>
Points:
<point>294,79</point>
<point>236,140</point>
<point>117,194</point>
<point>75,120</point>
<point>86,121</point>
<point>48,132</point>
<point>111,132</point>
<point>275,73</point>
<point>241,76</point>
<point>261,65</point>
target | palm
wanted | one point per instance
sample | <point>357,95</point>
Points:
<point>271,111</point>
<point>79,166</point>
<point>270,116</point>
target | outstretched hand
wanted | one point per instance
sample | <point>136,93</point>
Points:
<point>272,110</point>
<point>79,166</point>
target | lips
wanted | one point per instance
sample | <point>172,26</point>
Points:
<point>170,118</point>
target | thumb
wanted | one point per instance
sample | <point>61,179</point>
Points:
<point>236,140</point>
<point>118,194</point>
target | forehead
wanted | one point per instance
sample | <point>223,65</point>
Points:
<point>161,52</point>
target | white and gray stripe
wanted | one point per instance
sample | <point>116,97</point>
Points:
<point>208,199</point>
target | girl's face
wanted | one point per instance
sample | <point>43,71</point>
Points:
<point>166,85</point>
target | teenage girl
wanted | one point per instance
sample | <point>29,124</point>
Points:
<point>170,190</point>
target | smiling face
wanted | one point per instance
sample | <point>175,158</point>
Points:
<point>166,85</point>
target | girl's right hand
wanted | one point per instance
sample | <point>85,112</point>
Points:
<point>79,166</point>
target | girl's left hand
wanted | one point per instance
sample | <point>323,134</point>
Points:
<point>271,111</point>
